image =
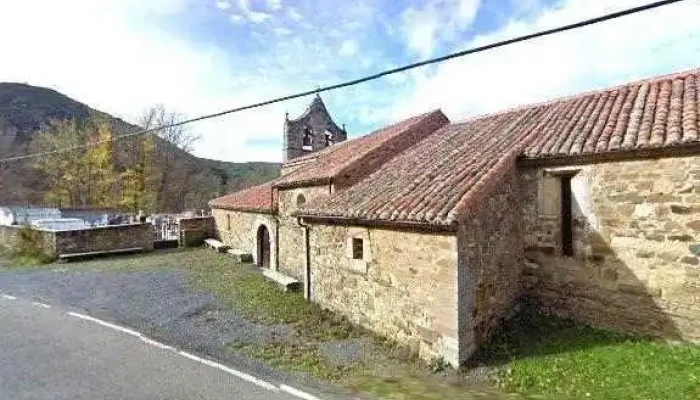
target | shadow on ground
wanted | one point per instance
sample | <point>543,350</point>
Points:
<point>531,334</point>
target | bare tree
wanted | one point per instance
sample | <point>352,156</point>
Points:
<point>178,136</point>
<point>171,171</point>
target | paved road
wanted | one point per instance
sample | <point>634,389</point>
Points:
<point>46,353</point>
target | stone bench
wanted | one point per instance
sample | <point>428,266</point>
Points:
<point>70,256</point>
<point>287,282</point>
<point>241,256</point>
<point>216,245</point>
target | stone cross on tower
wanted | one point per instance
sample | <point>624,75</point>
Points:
<point>313,130</point>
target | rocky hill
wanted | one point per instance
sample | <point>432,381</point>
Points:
<point>25,110</point>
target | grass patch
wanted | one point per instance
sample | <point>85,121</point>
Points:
<point>409,387</point>
<point>263,301</point>
<point>561,359</point>
<point>10,259</point>
<point>297,357</point>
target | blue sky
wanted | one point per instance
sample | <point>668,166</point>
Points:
<point>201,56</point>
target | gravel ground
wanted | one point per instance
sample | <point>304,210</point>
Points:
<point>347,352</point>
<point>160,304</point>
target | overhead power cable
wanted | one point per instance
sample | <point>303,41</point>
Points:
<point>547,32</point>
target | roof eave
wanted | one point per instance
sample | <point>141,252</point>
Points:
<point>674,150</point>
<point>242,209</point>
<point>423,226</point>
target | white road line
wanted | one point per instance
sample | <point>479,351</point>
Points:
<point>231,371</point>
<point>157,344</point>
<point>107,324</point>
<point>298,393</point>
<point>242,375</point>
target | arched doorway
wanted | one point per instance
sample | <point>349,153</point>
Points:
<point>263,247</point>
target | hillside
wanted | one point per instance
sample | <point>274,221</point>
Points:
<point>25,110</point>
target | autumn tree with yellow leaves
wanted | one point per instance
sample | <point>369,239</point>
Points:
<point>78,162</point>
<point>84,166</point>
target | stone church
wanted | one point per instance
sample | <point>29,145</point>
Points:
<point>429,231</point>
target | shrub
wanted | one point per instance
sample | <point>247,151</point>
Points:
<point>30,246</point>
<point>439,364</point>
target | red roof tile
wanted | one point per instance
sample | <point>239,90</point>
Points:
<point>359,157</point>
<point>654,113</point>
<point>255,199</point>
<point>441,178</point>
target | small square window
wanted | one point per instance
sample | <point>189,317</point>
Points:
<point>357,249</point>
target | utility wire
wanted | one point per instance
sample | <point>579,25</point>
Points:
<point>368,78</point>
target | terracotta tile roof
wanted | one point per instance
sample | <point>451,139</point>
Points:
<point>658,112</point>
<point>437,181</point>
<point>256,199</point>
<point>359,157</point>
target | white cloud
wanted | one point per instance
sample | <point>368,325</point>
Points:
<point>274,5</point>
<point>348,48</point>
<point>655,42</point>
<point>248,13</point>
<point>282,31</point>
<point>424,27</point>
<point>244,5</point>
<point>294,14</point>
<point>223,4</point>
<point>124,64</point>
<point>132,64</point>
<point>257,17</point>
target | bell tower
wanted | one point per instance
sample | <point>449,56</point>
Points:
<point>311,131</point>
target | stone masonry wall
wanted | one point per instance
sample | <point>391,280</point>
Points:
<point>194,230</point>
<point>490,264</point>
<point>105,238</point>
<point>89,240</point>
<point>636,245</point>
<point>9,236</point>
<point>243,231</point>
<point>404,287</point>
<point>291,234</point>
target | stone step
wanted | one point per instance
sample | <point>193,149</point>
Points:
<point>217,245</point>
<point>241,256</point>
<point>287,282</point>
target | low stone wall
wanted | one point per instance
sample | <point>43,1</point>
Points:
<point>9,236</point>
<point>107,238</point>
<point>636,264</point>
<point>404,287</point>
<point>194,230</point>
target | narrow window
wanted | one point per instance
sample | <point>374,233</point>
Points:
<point>567,234</point>
<point>307,140</point>
<point>357,248</point>
<point>301,200</point>
<point>329,138</point>
<point>228,222</point>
